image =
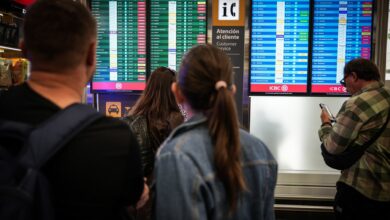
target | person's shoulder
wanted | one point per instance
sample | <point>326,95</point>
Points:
<point>183,139</point>
<point>385,91</point>
<point>108,127</point>
<point>192,147</point>
<point>250,139</point>
<point>254,148</point>
<point>177,115</point>
<point>371,99</point>
<point>110,122</point>
<point>133,119</point>
<point>175,119</point>
<point>107,134</point>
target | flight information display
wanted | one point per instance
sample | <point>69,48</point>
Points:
<point>121,49</point>
<point>342,31</point>
<point>175,27</point>
<point>279,46</point>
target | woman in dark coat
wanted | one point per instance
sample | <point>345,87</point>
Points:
<point>153,117</point>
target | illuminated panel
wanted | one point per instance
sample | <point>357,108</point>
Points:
<point>175,27</point>
<point>279,46</point>
<point>342,32</point>
<point>121,49</point>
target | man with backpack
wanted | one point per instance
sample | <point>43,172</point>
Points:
<point>97,173</point>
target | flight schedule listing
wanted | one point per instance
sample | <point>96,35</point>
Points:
<point>279,46</point>
<point>342,32</point>
<point>175,27</point>
<point>121,49</point>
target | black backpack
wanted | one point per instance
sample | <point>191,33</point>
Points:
<point>24,190</point>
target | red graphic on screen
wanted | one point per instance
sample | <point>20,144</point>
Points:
<point>278,88</point>
<point>25,2</point>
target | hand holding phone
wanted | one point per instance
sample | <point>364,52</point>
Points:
<point>325,107</point>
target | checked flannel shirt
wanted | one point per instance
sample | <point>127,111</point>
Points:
<point>359,118</point>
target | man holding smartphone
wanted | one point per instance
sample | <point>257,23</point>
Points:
<point>363,189</point>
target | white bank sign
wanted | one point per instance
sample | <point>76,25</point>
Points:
<point>228,10</point>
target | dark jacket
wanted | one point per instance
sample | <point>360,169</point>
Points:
<point>139,128</point>
<point>148,144</point>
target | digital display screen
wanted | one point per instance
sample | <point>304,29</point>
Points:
<point>342,32</point>
<point>279,46</point>
<point>175,27</point>
<point>121,49</point>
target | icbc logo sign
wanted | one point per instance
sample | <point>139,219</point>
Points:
<point>283,88</point>
<point>228,9</point>
<point>337,89</point>
<point>118,85</point>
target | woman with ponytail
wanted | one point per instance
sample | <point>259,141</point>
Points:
<point>208,167</point>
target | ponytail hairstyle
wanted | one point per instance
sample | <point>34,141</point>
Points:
<point>206,81</point>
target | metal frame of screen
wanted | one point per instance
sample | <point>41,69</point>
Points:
<point>279,87</point>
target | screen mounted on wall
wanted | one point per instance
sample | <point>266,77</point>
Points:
<point>282,31</point>
<point>279,46</point>
<point>121,49</point>
<point>175,27</point>
<point>342,30</point>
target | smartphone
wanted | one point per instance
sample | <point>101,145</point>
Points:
<point>331,117</point>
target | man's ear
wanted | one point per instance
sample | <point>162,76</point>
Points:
<point>90,61</point>
<point>177,93</point>
<point>354,76</point>
<point>91,54</point>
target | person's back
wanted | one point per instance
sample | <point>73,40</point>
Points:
<point>94,175</point>
<point>363,189</point>
<point>191,146</point>
<point>98,173</point>
<point>208,168</point>
<point>155,114</point>
<point>152,119</point>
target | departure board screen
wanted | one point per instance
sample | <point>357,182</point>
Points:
<point>279,46</point>
<point>121,49</point>
<point>175,27</point>
<point>342,32</point>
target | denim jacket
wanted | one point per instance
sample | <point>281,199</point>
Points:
<point>186,182</point>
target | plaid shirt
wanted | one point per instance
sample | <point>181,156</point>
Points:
<point>358,120</point>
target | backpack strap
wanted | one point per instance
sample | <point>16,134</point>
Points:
<point>50,136</point>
